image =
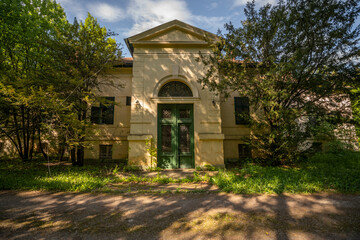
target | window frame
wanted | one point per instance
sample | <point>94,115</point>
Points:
<point>178,86</point>
<point>108,150</point>
<point>245,151</point>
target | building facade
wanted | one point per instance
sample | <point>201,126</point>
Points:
<point>161,105</point>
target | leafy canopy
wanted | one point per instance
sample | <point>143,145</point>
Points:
<point>286,58</point>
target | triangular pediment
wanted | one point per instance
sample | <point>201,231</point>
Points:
<point>174,32</point>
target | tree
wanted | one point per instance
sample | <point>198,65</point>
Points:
<point>30,31</point>
<point>49,75</point>
<point>355,100</point>
<point>286,58</point>
<point>89,52</point>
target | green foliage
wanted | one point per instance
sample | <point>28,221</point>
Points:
<point>130,168</point>
<point>154,169</point>
<point>286,58</point>
<point>29,68</point>
<point>34,176</point>
<point>324,172</point>
<point>206,167</point>
<point>49,72</point>
<point>337,147</point>
<point>355,102</point>
<point>152,151</point>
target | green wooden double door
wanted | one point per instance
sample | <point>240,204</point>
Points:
<point>175,136</point>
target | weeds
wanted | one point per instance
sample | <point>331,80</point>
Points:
<point>324,172</point>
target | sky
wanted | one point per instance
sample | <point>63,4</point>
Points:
<point>129,17</point>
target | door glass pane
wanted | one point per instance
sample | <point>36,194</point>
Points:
<point>166,113</point>
<point>184,113</point>
<point>166,138</point>
<point>184,138</point>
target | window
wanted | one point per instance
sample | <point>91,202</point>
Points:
<point>242,111</point>
<point>175,89</point>
<point>105,152</point>
<point>104,114</point>
<point>244,151</point>
<point>128,101</point>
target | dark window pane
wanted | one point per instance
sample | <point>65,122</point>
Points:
<point>244,151</point>
<point>105,113</point>
<point>175,89</point>
<point>108,115</point>
<point>184,113</point>
<point>128,101</point>
<point>184,138</point>
<point>105,151</point>
<point>166,113</point>
<point>242,111</point>
<point>166,138</point>
<point>95,115</point>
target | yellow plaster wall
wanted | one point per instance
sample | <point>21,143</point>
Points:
<point>174,35</point>
<point>114,134</point>
<point>153,64</point>
<point>234,134</point>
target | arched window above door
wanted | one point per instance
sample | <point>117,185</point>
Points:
<point>175,89</point>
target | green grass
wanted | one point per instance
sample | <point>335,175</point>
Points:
<point>17,175</point>
<point>338,173</point>
<point>34,176</point>
<point>321,173</point>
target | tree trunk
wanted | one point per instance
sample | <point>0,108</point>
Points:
<point>61,149</point>
<point>73,156</point>
<point>41,146</point>
<point>80,156</point>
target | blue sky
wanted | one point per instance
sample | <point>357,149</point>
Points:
<point>129,17</point>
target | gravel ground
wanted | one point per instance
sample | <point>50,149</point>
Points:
<point>45,215</point>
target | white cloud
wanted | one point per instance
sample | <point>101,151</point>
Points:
<point>212,6</point>
<point>211,24</point>
<point>147,14</point>
<point>106,12</point>
<point>258,3</point>
<point>144,14</point>
<point>75,8</point>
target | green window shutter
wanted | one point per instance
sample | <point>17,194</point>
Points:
<point>242,110</point>
<point>95,115</point>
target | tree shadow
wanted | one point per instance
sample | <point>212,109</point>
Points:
<point>30,215</point>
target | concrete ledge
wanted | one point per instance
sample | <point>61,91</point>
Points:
<point>140,137</point>
<point>211,136</point>
<point>236,137</point>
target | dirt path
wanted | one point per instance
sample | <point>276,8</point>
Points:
<point>43,215</point>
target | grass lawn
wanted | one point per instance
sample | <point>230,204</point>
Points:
<point>338,173</point>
